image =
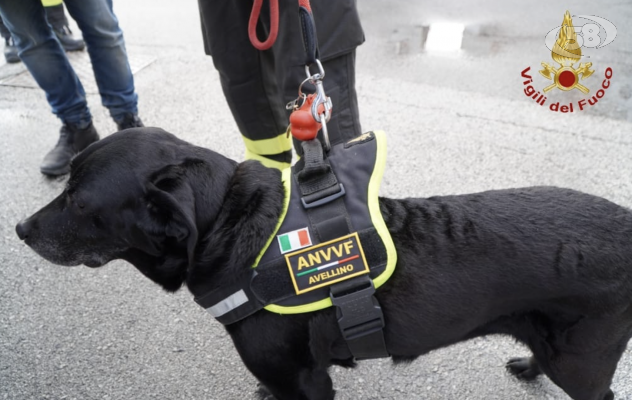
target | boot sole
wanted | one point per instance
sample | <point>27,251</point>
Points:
<point>77,48</point>
<point>55,172</point>
<point>66,168</point>
<point>12,59</point>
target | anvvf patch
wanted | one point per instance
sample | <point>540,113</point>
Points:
<point>327,263</point>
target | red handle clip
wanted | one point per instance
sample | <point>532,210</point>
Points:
<point>302,124</point>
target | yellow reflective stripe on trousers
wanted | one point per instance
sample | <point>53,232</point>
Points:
<point>267,162</point>
<point>50,3</point>
<point>272,146</point>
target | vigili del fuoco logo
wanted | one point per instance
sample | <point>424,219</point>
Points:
<point>566,51</point>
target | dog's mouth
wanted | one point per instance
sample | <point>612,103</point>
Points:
<point>52,252</point>
<point>94,263</point>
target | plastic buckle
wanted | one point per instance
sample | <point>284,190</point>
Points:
<point>359,313</point>
<point>310,202</point>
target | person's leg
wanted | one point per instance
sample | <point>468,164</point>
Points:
<point>106,47</point>
<point>339,33</point>
<point>57,19</point>
<point>258,84</point>
<point>55,12</point>
<point>10,50</point>
<point>4,32</point>
<point>250,89</point>
<point>46,61</point>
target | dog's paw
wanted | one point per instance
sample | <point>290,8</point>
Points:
<point>524,368</point>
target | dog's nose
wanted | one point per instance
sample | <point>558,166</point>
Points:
<point>23,228</point>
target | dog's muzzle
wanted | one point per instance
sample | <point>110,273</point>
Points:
<point>23,228</point>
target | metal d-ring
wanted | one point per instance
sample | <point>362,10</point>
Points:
<point>318,76</point>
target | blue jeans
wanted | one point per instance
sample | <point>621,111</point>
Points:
<point>47,62</point>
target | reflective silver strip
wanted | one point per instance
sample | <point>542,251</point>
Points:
<point>228,304</point>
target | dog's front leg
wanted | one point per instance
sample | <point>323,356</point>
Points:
<point>276,350</point>
<point>314,385</point>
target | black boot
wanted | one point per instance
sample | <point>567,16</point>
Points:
<point>10,51</point>
<point>72,140</point>
<point>69,43</point>
<point>57,19</point>
<point>129,120</point>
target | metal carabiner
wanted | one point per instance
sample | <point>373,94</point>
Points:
<point>325,135</point>
<point>321,99</point>
<point>319,75</point>
<point>300,100</point>
<point>325,116</point>
<point>296,103</point>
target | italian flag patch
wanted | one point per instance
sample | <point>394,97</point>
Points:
<point>294,240</point>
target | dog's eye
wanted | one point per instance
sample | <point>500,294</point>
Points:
<point>75,201</point>
<point>152,208</point>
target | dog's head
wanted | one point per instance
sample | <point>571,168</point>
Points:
<point>133,196</point>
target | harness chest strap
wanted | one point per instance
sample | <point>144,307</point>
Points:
<point>337,220</point>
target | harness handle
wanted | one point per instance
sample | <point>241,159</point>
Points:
<point>308,28</point>
<point>274,24</point>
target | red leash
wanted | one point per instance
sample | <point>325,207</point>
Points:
<point>305,3</point>
<point>274,24</point>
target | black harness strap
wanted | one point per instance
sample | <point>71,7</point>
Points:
<point>360,317</point>
<point>232,303</point>
<point>322,195</point>
<point>308,28</point>
<point>316,174</point>
<point>359,314</point>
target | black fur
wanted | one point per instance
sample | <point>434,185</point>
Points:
<point>551,267</point>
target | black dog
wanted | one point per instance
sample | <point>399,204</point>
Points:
<point>551,267</point>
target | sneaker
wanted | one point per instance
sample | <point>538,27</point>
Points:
<point>129,120</point>
<point>72,140</point>
<point>11,51</point>
<point>64,34</point>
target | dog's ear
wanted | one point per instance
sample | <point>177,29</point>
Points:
<point>172,200</point>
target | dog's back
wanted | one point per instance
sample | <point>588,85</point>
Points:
<point>552,267</point>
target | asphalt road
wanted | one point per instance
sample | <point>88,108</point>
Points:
<point>457,123</point>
